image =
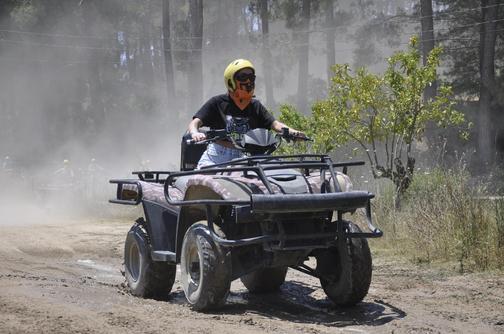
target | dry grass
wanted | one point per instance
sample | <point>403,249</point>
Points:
<point>445,217</point>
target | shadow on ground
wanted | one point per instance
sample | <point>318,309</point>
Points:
<point>295,303</point>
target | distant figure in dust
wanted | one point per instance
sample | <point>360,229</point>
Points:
<point>94,167</point>
<point>145,165</point>
<point>93,182</point>
<point>65,174</point>
<point>7,165</point>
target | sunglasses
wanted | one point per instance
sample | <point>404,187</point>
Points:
<point>248,86</point>
<point>245,76</point>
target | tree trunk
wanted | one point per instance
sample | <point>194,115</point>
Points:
<point>427,23</point>
<point>96,112</point>
<point>129,54</point>
<point>146,42</point>
<point>402,178</point>
<point>487,79</point>
<point>268,82</point>
<point>158,55</point>
<point>330,37</point>
<point>168,62</point>
<point>303,56</point>
<point>195,80</point>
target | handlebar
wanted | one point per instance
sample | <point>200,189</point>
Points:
<point>213,135</point>
<point>287,135</point>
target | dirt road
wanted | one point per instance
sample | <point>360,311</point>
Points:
<point>63,276</point>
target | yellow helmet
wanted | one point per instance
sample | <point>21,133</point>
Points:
<point>232,68</point>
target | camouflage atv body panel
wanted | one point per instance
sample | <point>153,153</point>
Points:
<point>233,186</point>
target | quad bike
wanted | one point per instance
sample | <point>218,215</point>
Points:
<point>251,218</point>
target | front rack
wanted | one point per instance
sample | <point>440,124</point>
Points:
<point>258,165</point>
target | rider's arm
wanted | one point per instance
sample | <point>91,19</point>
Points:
<point>193,129</point>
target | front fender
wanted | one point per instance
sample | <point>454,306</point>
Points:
<point>205,187</point>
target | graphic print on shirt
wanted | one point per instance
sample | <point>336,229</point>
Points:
<point>239,125</point>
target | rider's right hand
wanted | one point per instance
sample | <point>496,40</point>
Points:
<point>198,136</point>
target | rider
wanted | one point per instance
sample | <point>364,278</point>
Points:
<point>93,178</point>
<point>7,165</point>
<point>94,167</point>
<point>236,109</point>
<point>66,173</point>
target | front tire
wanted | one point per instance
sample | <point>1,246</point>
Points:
<point>145,278</point>
<point>264,280</point>
<point>204,269</point>
<point>346,269</point>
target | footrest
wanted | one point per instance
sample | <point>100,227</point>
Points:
<point>163,256</point>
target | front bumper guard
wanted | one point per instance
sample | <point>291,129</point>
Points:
<point>281,203</point>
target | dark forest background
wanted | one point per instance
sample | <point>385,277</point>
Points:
<point>118,80</point>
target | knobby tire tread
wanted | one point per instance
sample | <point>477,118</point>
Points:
<point>156,279</point>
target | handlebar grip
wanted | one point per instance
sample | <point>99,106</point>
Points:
<point>293,136</point>
<point>305,138</point>
<point>194,142</point>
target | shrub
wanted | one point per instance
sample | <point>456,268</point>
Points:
<point>445,217</point>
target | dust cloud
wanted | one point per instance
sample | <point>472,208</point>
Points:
<point>70,120</point>
<point>82,103</point>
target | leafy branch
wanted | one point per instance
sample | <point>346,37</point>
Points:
<point>384,114</point>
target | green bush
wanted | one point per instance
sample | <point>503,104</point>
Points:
<point>384,115</point>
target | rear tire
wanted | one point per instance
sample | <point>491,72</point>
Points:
<point>205,269</point>
<point>145,278</point>
<point>346,270</point>
<point>264,280</point>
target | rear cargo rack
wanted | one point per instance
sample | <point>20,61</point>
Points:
<point>120,186</point>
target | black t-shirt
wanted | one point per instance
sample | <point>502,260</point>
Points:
<point>255,114</point>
